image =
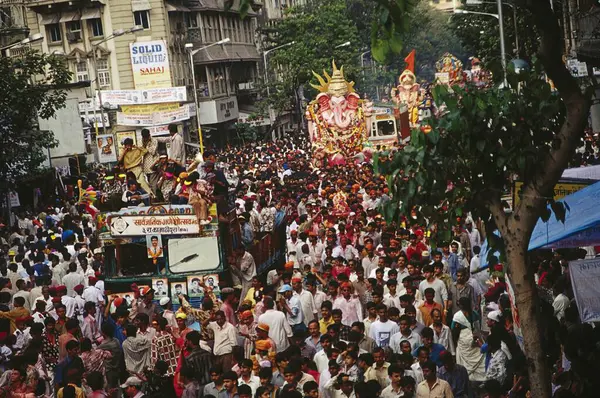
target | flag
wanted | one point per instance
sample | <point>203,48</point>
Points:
<point>410,61</point>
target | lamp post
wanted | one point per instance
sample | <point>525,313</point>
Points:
<point>499,18</point>
<point>116,33</point>
<point>190,48</point>
<point>265,53</point>
<point>514,7</point>
<point>28,40</point>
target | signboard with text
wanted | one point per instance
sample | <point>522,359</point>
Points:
<point>111,98</point>
<point>561,189</point>
<point>153,115</point>
<point>140,225</point>
<point>585,277</point>
<point>150,64</point>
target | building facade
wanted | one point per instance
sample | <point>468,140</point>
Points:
<point>80,29</point>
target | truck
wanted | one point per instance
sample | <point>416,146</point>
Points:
<point>164,247</point>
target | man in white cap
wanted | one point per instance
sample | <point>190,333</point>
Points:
<point>168,313</point>
<point>133,387</point>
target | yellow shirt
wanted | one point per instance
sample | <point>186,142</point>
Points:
<point>78,392</point>
<point>323,324</point>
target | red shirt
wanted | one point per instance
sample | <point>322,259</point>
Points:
<point>415,251</point>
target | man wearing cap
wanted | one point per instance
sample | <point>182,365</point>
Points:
<point>143,302</point>
<point>349,305</point>
<point>307,301</point>
<point>279,328</point>
<point>294,246</point>
<point>167,312</point>
<point>290,304</point>
<point>133,387</point>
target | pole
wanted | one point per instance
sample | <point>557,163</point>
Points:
<point>514,7</point>
<point>502,48</point>
<point>266,71</point>
<point>94,48</point>
<point>200,140</point>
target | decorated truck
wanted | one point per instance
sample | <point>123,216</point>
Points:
<point>166,248</point>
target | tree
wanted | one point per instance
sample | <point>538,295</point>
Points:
<point>486,138</point>
<point>31,88</point>
<point>316,29</point>
<point>479,34</point>
<point>430,34</point>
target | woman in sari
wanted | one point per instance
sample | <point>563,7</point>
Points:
<point>464,331</point>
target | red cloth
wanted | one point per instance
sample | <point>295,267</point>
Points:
<point>416,251</point>
<point>340,270</point>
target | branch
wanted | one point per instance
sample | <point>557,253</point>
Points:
<point>577,107</point>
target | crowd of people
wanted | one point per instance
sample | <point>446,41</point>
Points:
<point>360,307</point>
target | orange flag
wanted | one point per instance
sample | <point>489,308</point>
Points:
<point>410,61</point>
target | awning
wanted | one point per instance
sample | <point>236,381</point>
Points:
<point>91,13</point>
<point>581,226</point>
<point>227,52</point>
<point>176,8</point>
<point>70,16</point>
<point>140,5</point>
<point>49,19</point>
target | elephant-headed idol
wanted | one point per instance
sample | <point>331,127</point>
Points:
<point>337,118</point>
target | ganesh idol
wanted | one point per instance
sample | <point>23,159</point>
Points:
<point>337,119</point>
<point>407,92</point>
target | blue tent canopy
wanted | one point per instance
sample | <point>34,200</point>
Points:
<point>581,226</point>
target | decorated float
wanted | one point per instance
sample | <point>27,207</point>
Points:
<point>337,119</point>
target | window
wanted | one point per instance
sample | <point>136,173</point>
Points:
<point>54,33</point>
<point>81,70</point>
<point>142,18</point>
<point>74,31</point>
<point>103,72</point>
<point>96,27</point>
<point>218,80</point>
<point>191,19</point>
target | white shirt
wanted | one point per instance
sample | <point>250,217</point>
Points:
<point>382,332</point>
<point>279,328</point>
<point>176,149</point>
<point>369,264</point>
<point>441,292</point>
<point>560,304</point>
<point>225,338</point>
<point>307,303</point>
<point>413,338</point>
<point>71,280</point>
<point>253,382</point>
<point>92,293</point>
<point>295,317</point>
<point>321,361</point>
<point>351,309</point>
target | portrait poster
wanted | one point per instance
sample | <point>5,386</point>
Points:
<point>106,148</point>
<point>127,296</point>
<point>196,283</point>
<point>154,246</point>
<point>161,288</point>
<point>121,136</point>
<point>177,288</point>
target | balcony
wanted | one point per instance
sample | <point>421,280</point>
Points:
<point>193,35</point>
<point>588,49</point>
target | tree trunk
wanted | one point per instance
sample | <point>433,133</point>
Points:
<point>527,304</point>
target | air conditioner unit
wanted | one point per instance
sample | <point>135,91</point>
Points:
<point>73,37</point>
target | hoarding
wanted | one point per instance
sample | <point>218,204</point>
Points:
<point>141,225</point>
<point>150,64</point>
